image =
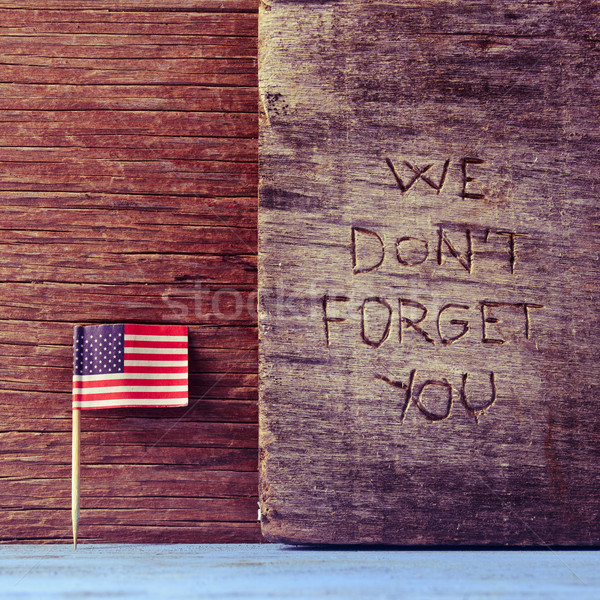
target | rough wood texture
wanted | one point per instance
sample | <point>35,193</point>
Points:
<point>428,272</point>
<point>128,176</point>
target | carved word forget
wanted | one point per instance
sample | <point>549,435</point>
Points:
<point>512,318</point>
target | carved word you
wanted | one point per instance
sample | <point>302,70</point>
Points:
<point>421,395</point>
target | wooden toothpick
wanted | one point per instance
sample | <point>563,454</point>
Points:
<point>75,475</point>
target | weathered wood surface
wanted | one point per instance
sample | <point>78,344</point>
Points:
<point>428,272</point>
<point>128,180</point>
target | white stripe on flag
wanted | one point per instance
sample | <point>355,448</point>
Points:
<point>131,388</point>
<point>109,376</point>
<point>144,350</point>
<point>156,363</point>
<point>120,403</point>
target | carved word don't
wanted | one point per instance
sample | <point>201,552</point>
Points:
<point>369,249</point>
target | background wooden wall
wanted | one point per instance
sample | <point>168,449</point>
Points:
<point>128,182</point>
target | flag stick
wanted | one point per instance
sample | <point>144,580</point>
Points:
<point>75,475</point>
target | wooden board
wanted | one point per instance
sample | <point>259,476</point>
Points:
<point>428,272</point>
<point>128,183</point>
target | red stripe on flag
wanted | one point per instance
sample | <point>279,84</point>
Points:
<point>140,356</point>
<point>129,395</point>
<point>183,402</point>
<point>156,330</point>
<point>148,344</point>
<point>138,369</point>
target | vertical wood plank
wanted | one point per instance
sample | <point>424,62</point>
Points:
<point>428,237</point>
<point>128,181</point>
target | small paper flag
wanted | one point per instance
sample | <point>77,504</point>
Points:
<point>116,366</point>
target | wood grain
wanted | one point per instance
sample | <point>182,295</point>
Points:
<point>429,308</point>
<point>128,182</point>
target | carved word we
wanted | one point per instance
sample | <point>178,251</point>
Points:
<point>424,173</point>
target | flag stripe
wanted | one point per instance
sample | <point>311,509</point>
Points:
<point>170,330</point>
<point>156,358</point>
<point>127,389</point>
<point>80,385</point>
<point>157,347</point>
<point>128,402</point>
<point>132,395</point>
<point>140,369</point>
<point>147,376</point>
<point>155,338</point>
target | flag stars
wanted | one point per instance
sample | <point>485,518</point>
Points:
<point>98,349</point>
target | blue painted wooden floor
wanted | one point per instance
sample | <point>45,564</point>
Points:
<point>271,571</point>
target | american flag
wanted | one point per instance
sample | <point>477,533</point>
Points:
<point>116,366</point>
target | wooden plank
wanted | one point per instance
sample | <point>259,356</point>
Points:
<point>169,147</point>
<point>180,65</point>
<point>60,380</point>
<point>206,241</point>
<point>95,15</point>
<point>128,481</point>
<point>155,432</point>
<point>221,270</point>
<point>70,76</point>
<point>218,506</point>
<point>114,45</point>
<point>57,459</point>
<point>200,361</point>
<point>205,510</point>
<point>166,209</point>
<point>151,23</point>
<point>428,235</point>
<point>28,97</point>
<point>131,121</point>
<point>188,533</point>
<point>203,533</point>
<point>102,46</point>
<point>221,152</point>
<point>171,6</point>
<point>52,332</point>
<point>131,168</point>
<point>227,308</point>
<point>75,44</point>
<point>178,183</point>
<point>146,476</point>
<point>49,407</point>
